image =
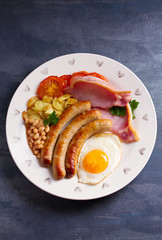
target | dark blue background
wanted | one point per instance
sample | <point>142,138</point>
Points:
<point>32,32</point>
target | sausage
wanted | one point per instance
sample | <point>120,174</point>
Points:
<point>58,162</point>
<point>79,139</point>
<point>67,115</point>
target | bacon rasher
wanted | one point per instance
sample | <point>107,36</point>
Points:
<point>102,97</point>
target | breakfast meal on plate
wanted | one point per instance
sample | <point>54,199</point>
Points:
<point>76,125</point>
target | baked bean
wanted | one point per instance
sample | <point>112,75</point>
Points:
<point>36,136</point>
<point>26,120</point>
<point>39,146</point>
<point>40,138</point>
<point>35,130</point>
<point>29,131</point>
<point>31,134</point>
<point>43,133</point>
<point>35,122</point>
<point>33,148</point>
<point>37,142</point>
<point>36,152</point>
<point>30,144</point>
<point>47,129</point>
<point>41,129</point>
<point>40,124</point>
<point>31,120</point>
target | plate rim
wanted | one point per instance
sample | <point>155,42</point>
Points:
<point>93,55</point>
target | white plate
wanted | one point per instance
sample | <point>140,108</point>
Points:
<point>135,155</point>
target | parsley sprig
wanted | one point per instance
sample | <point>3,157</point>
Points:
<point>133,104</point>
<point>52,119</point>
<point>118,111</point>
<point>121,111</point>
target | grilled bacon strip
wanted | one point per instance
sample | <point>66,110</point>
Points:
<point>98,92</point>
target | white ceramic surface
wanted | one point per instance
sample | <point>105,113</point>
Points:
<point>135,155</point>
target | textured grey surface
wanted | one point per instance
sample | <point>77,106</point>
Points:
<point>32,32</point>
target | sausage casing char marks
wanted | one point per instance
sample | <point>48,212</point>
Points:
<point>58,162</point>
<point>67,115</point>
<point>79,139</point>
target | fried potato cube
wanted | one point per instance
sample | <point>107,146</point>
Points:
<point>32,101</point>
<point>57,105</point>
<point>35,116</point>
<point>47,99</point>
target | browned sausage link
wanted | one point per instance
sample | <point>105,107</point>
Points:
<point>79,139</point>
<point>58,163</point>
<point>67,115</point>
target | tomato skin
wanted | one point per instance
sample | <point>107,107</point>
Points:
<point>51,86</point>
<point>65,80</point>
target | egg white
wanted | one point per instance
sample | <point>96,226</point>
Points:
<point>111,146</point>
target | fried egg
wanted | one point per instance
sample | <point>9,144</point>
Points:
<point>99,157</point>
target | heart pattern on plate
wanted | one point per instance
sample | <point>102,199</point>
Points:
<point>120,74</point>
<point>27,88</point>
<point>48,180</point>
<point>105,185</point>
<point>145,117</point>
<point>28,163</point>
<point>126,170</point>
<point>44,71</point>
<point>77,189</point>
<point>16,112</point>
<point>142,150</point>
<point>137,92</point>
<point>16,139</point>
<point>71,62</point>
<point>99,63</point>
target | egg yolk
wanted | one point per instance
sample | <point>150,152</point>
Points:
<point>95,161</point>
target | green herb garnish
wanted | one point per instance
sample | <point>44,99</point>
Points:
<point>121,111</point>
<point>133,104</point>
<point>118,111</point>
<point>52,119</point>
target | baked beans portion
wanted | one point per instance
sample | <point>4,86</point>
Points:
<point>36,134</point>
